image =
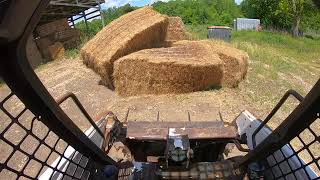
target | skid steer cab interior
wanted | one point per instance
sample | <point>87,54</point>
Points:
<point>158,150</point>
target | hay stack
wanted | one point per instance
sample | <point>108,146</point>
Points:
<point>55,51</point>
<point>66,34</point>
<point>176,30</point>
<point>184,68</point>
<point>140,29</point>
<point>52,34</point>
<point>235,62</point>
<point>52,27</point>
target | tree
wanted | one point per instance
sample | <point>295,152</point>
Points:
<point>317,3</point>
<point>289,15</point>
<point>296,9</point>
<point>213,12</point>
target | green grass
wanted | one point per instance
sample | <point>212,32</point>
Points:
<point>278,62</point>
<point>71,53</point>
<point>198,31</point>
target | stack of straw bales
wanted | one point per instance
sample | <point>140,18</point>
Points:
<point>140,29</point>
<point>52,35</point>
<point>52,27</point>
<point>144,52</point>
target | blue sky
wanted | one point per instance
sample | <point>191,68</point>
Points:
<point>117,3</point>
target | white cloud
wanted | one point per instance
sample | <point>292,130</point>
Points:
<point>153,1</point>
<point>238,1</point>
<point>117,3</point>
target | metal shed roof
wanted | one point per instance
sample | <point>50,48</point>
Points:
<point>58,9</point>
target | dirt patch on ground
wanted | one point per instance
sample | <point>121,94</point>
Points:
<point>70,75</point>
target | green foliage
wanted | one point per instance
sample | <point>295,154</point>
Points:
<point>94,26</point>
<point>109,15</point>
<point>213,12</point>
<point>280,42</point>
<point>71,53</point>
<point>113,13</point>
<point>283,14</point>
<point>198,32</point>
<point>200,12</point>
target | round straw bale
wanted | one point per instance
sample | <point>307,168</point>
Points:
<point>176,30</point>
<point>139,29</point>
<point>180,69</point>
<point>235,61</point>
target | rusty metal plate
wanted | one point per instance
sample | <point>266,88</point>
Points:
<point>145,130</point>
<point>205,170</point>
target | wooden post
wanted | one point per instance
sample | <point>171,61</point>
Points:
<point>85,20</point>
<point>72,21</point>
<point>101,15</point>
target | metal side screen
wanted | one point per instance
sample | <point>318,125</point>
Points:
<point>30,150</point>
<point>299,159</point>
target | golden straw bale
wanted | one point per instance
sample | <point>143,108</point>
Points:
<point>55,51</point>
<point>235,64</point>
<point>139,29</point>
<point>234,60</point>
<point>176,30</point>
<point>184,68</point>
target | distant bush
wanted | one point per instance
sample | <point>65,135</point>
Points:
<point>213,12</point>
<point>200,12</point>
<point>109,15</point>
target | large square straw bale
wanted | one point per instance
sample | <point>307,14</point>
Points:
<point>180,69</point>
<point>235,61</point>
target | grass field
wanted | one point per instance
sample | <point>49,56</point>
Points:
<point>278,62</point>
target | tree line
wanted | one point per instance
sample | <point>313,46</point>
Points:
<point>215,12</point>
<point>285,15</point>
<point>288,15</point>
